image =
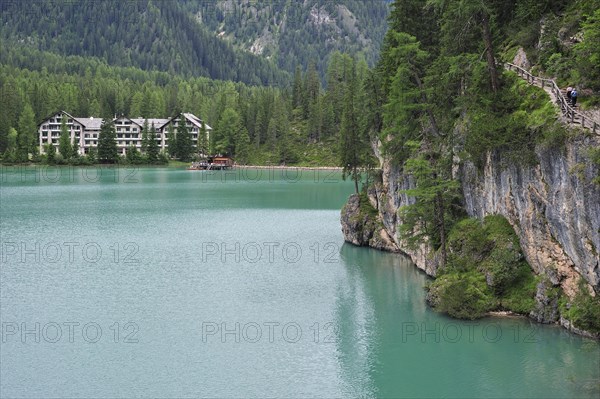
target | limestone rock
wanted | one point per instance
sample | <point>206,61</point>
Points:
<point>546,308</point>
<point>521,59</point>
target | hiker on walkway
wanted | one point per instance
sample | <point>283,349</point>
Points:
<point>569,90</point>
<point>574,97</point>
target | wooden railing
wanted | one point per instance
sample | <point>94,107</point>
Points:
<point>567,109</point>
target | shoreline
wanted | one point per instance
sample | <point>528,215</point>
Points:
<point>506,314</point>
<point>287,167</point>
<point>173,166</point>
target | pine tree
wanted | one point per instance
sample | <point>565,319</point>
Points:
<point>107,145</point>
<point>226,132</point>
<point>458,18</point>
<point>183,140</point>
<point>152,150</point>
<point>171,142</point>
<point>203,140</point>
<point>351,146</point>
<point>145,139</point>
<point>312,88</point>
<point>429,218</point>
<point>64,143</point>
<point>242,147</point>
<point>51,154</point>
<point>75,148</point>
<point>298,89</point>
<point>11,142</point>
<point>27,133</point>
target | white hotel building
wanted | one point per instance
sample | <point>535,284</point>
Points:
<point>128,131</point>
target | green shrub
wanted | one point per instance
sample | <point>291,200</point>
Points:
<point>463,295</point>
<point>485,271</point>
<point>467,245</point>
<point>519,297</point>
<point>585,310</point>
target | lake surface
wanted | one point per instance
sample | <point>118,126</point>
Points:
<point>174,283</point>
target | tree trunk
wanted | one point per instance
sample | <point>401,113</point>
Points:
<point>355,177</point>
<point>430,114</point>
<point>489,49</point>
<point>442,225</point>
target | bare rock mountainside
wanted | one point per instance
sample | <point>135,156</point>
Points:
<point>553,206</point>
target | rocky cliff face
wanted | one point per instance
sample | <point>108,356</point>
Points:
<point>553,206</point>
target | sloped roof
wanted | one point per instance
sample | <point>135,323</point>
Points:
<point>195,120</point>
<point>95,123</point>
<point>158,123</point>
<point>55,114</point>
<point>90,123</point>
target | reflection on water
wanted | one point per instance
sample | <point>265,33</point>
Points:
<point>231,285</point>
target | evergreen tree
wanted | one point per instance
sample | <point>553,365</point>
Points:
<point>145,139</point>
<point>312,88</point>
<point>51,154</point>
<point>64,143</point>
<point>107,145</point>
<point>352,148</point>
<point>153,148</point>
<point>12,140</point>
<point>588,51</point>
<point>203,140</point>
<point>133,156</point>
<point>430,217</point>
<point>183,141</point>
<point>458,18</point>
<point>298,89</point>
<point>92,155</point>
<point>171,141</point>
<point>227,131</point>
<point>26,133</point>
<point>242,147</point>
<point>406,101</point>
<point>75,148</point>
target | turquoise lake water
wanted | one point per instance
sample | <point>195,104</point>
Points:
<point>173,283</point>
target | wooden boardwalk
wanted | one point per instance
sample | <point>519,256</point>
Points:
<point>569,113</point>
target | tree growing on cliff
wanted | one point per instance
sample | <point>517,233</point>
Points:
<point>353,146</point>
<point>431,216</point>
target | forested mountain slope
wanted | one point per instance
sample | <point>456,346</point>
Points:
<point>245,41</point>
<point>297,32</point>
<point>151,35</point>
<point>469,151</point>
